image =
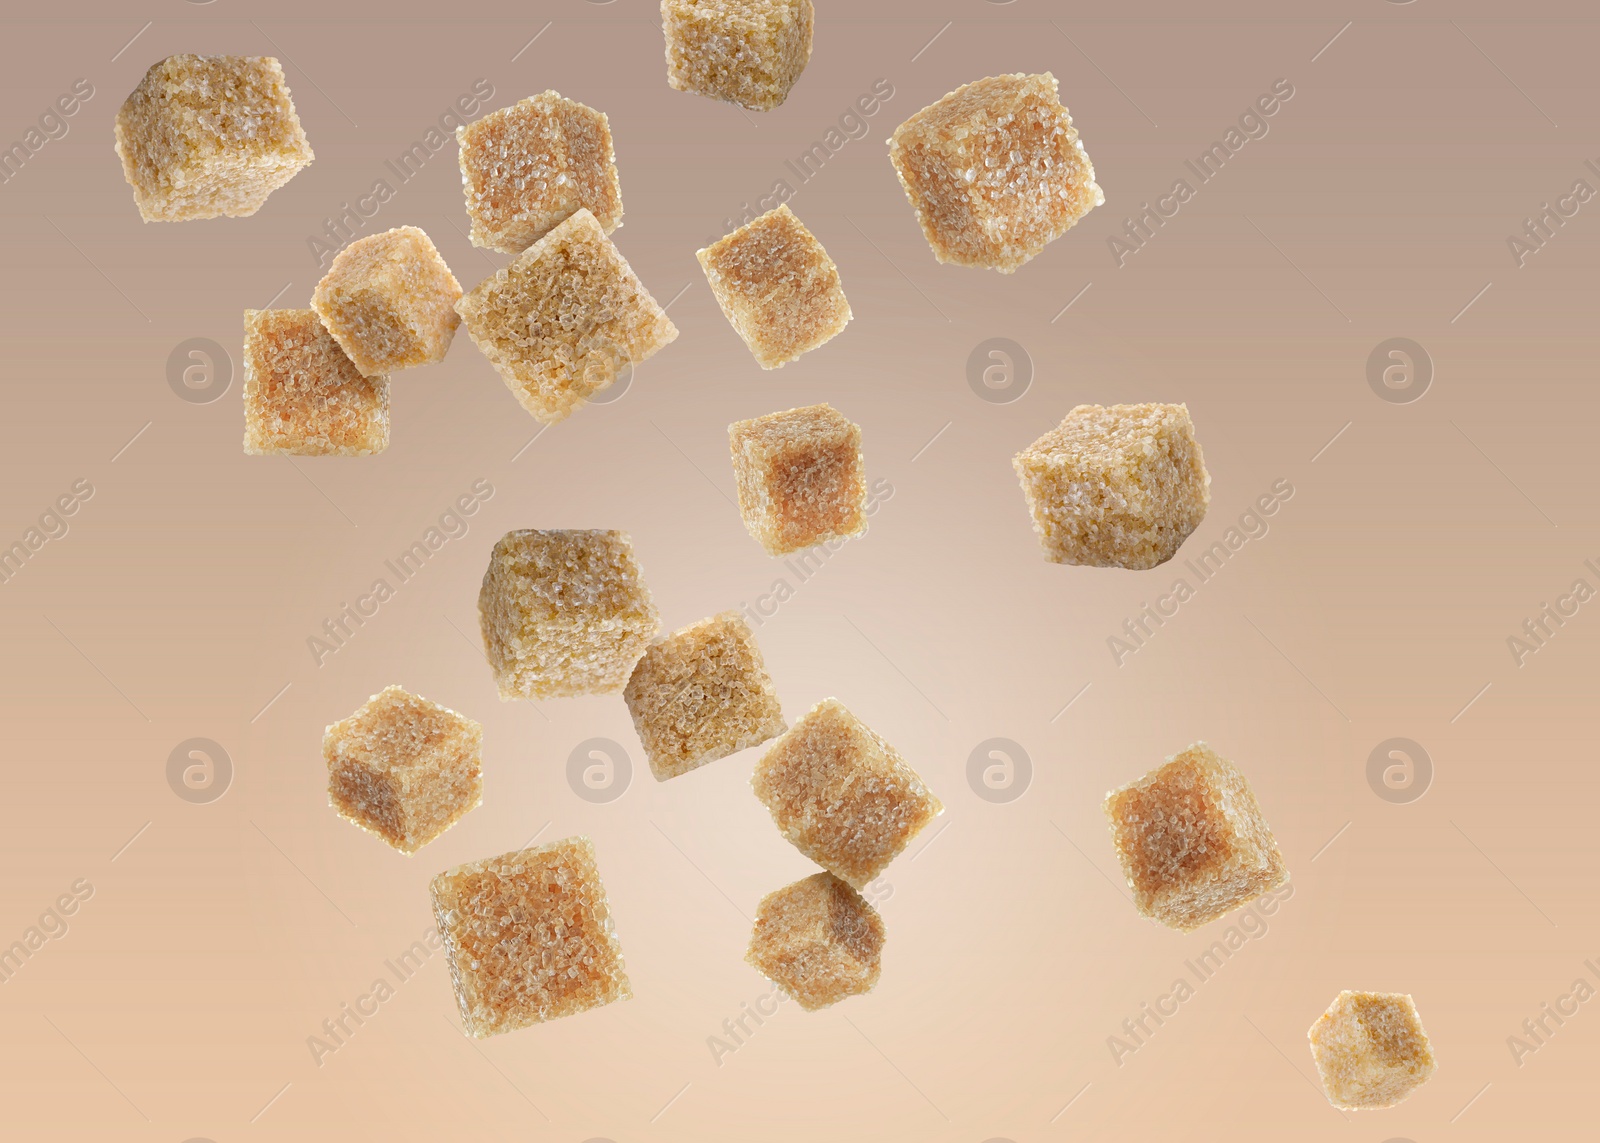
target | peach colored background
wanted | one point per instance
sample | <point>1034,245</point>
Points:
<point>179,1003</point>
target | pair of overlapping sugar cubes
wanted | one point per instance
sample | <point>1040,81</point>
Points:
<point>529,933</point>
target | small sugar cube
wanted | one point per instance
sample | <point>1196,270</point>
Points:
<point>203,136</point>
<point>564,613</point>
<point>700,694</point>
<point>800,477</point>
<point>748,52</point>
<point>1192,841</point>
<point>777,287</point>
<point>818,940</point>
<point>529,166</point>
<point>842,795</point>
<point>565,319</point>
<point>302,395</point>
<point>995,171</point>
<point>1370,1050</point>
<point>1116,485</point>
<point>528,937</point>
<point>404,768</point>
<point>389,301</point>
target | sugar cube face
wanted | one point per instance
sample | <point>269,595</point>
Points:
<point>389,301</point>
<point>565,319</point>
<point>700,694</point>
<point>1116,485</point>
<point>818,940</point>
<point>800,476</point>
<point>404,768</point>
<point>1192,841</point>
<point>1370,1050</point>
<point>203,136</point>
<point>302,395</point>
<point>842,795</point>
<point>528,937</point>
<point>564,613</point>
<point>529,166</point>
<point>777,287</point>
<point>995,171</point>
<point>748,52</point>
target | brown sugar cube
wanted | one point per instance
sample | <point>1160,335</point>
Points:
<point>994,171</point>
<point>527,167</point>
<point>748,52</point>
<point>843,796</point>
<point>565,319</point>
<point>777,287</point>
<point>1116,485</point>
<point>800,477</point>
<point>700,694</point>
<point>389,301</point>
<point>1192,841</point>
<point>404,768</point>
<point>203,136</point>
<point>528,937</point>
<point>564,613</point>
<point>1370,1050</point>
<point>818,940</point>
<point>302,395</point>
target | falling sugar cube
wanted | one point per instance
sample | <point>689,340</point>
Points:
<point>1370,1050</point>
<point>302,395</point>
<point>818,940</point>
<point>389,301</point>
<point>800,476</point>
<point>748,52</point>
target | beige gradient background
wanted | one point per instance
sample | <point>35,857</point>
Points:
<point>220,936</point>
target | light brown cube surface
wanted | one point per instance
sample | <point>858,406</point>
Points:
<point>748,52</point>
<point>564,613</point>
<point>777,287</point>
<point>1370,1050</point>
<point>404,768</point>
<point>302,395</point>
<point>1192,841</point>
<point>1116,485</point>
<point>818,940</point>
<point>527,167</point>
<point>842,795</point>
<point>565,319</point>
<point>800,476</point>
<point>700,694</point>
<point>203,136</point>
<point>994,171</point>
<point>528,937</point>
<point>389,301</point>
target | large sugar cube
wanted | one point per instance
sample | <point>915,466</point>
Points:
<point>1116,485</point>
<point>800,477</point>
<point>565,319</point>
<point>818,940</point>
<point>404,768</point>
<point>528,937</point>
<point>1192,841</point>
<point>564,613</point>
<point>777,287</point>
<point>700,694</point>
<point>1370,1050</point>
<point>842,795</point>
<point>302,395</point>
<point>203,136</point>
<point>529,166</point>
<point>389,301</point>
<point>748,52</point>
<point>994,171</point>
